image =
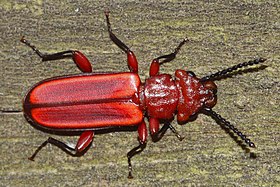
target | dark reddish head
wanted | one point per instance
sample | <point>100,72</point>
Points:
<point>194,94</point>
<point>199,95</point>
<point>210,99</point>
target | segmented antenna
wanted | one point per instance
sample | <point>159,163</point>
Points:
<point>233,68</point>
<point>220,119</point>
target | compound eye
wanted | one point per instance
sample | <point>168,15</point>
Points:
<point>191,73</point>
<point>211,102</point>
<point>211,86</point>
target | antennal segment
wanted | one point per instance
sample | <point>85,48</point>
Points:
<point>223,121</point>
<point>233,68</point>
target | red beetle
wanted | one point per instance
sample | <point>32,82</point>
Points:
<point>90,102</point>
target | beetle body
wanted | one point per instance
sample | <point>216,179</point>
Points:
<point>89,101</point>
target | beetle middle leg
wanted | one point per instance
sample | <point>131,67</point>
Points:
<point>142,138</point>
<point>131,58</point>
<point>79,58</point>
<point>154,68</point>
<point>82,145</point>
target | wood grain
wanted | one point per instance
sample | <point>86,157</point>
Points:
<point>221,34</point>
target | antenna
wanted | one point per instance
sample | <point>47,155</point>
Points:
<point>233,68</point>
<point>227,124</point>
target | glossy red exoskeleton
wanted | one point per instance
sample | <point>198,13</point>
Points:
<point>90,102</point>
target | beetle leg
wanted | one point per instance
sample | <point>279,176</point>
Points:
<point>158,134</point>
<point>153,126</point>
<point>142,137</point>
<point>79,58</point>
<point>175,132</point>
<point>83,142</point>
<point>131,58</point>
<point>154,67</point>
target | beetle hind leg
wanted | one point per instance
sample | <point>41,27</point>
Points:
<point>131,153</point>
<point>79,58</point>
<point>82,145</point>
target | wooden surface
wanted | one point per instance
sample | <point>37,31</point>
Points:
<point>222,34</point>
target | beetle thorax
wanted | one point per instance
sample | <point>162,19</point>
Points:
<point>161,96</point>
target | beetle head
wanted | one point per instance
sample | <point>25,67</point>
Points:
<point>211,97</point>
<point>194,94</point>
<point>199,95</point>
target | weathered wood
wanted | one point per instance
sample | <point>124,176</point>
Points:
<point>222,34</point>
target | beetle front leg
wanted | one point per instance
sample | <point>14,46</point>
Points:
<point>82,144</point>
<point>154,68</point>
<point>142,137</point>
<point>157,133</point>
<point>79,58</point>
<point>131,58</point>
